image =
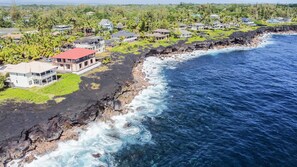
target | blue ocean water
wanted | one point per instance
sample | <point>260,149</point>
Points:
<point>233,107</point>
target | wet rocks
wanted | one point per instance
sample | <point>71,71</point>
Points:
<point>98,155</point>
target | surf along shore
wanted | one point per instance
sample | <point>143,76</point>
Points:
<point>28,129</point>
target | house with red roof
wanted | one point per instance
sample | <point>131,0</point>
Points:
<point>74,60</point>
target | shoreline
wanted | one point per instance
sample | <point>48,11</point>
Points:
<point>140,84</point>
<point>128,94</point>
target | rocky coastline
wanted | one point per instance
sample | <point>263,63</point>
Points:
<point>118,87</point>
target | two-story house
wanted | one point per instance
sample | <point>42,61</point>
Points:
<point>106,24</point>
<point>96,43</point>
<point>74,60</point>
<point>31,74</point>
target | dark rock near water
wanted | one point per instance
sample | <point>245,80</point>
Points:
<point>24,125</point>
<point>98,155</point>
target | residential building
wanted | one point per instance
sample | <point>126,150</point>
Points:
<point>14,37</point>
<point>185,34</point>
<point>126,35</point>
<point>196,15</point>
<point>96,43</point>
<point>74,60</point>
<point>27,18</point>
<point>197,26</point>
<point>158,36</point>
<point>214,16</point>
<point>120,26</point>
<point>31,74</point>
<point>106,24</point>
<point>62,28</point>
<point>218,25</point>
<point>182,26</point>
<point>5,31</point>
<point>248,22</point>
<point>90,13</point>
<point>7,18</point>
<point>88,31</point>
<point>279,20</point>
<point>162,31</point>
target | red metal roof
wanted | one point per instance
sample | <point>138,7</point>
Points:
<point>75,53</point>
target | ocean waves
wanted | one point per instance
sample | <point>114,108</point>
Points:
<point>100,142</point>
<point>97,144</point>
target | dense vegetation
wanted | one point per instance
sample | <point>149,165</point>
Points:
<point>140,19</point>
<point>67,84</point>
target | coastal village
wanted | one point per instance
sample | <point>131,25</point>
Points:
<point>66,66</point>
<point>91,51</point>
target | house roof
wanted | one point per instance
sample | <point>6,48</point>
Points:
<point>120,25</point>
<point>105,21</point>
<point>214,15</point>
<point>182,25</point>
<point>162,30</point>
<point>198,24</point>
<point>89,40</point>
<point>157,35</point>
<point>196,15</point>
<point>123,33</point>
<point>31,67</point>
<point>62,26</point>
<point>13,36</point>
<point>4,31</point>
<point>75,53</point>
<point>244,19</point>
<point>185,32</point>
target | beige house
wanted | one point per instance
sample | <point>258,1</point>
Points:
<point>31,74</point>
<point>74,60</point>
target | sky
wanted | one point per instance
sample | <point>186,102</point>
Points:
<point>19,2</point>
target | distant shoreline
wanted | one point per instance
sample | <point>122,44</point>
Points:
<point>58,3</point>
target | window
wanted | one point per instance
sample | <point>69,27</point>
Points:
<point>68,66</point>
<point>80,66</point>
<point>30,82</point>
<point>86,63</point>
<point>16,81</point>
<point>91,61</point>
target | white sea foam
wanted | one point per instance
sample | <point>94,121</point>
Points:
<point>107,138</point>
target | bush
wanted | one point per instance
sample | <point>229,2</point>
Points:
<point>106,60</point>
<point>2,81</point>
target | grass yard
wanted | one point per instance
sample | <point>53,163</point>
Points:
<point>195,39</point>
<point>67,84</point>
<point>134,47</point>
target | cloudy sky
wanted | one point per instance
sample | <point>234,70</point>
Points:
<point>139,1</point>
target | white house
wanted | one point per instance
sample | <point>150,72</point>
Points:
<point>96,43</point>
<point>214,16</point>
<point>62,28</point>
<point>126,35</point>
<point>185,34</point>
<point>197,26</point>
<point>31,74</point>
<point>106,24</point>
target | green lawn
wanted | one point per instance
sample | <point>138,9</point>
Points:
<point>134,47</point>
<point>195,39</point>
<point>68,83</point>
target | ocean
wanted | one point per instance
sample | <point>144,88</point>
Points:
<point>230,107</point>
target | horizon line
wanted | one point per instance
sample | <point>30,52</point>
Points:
<point>123,4</point>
